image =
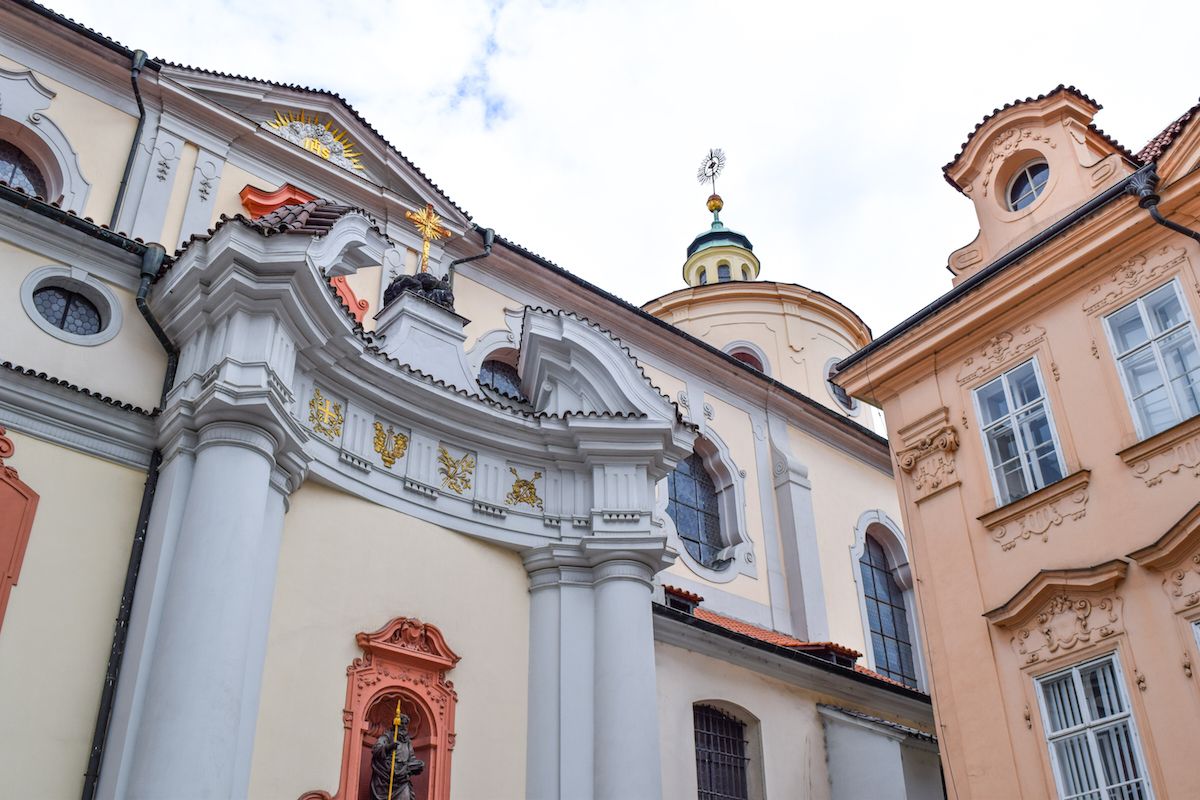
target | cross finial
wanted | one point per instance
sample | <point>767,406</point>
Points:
<point>429,226</point>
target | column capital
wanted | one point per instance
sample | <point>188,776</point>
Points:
<point>595,559</point>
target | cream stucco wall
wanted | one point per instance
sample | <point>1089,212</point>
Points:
<point>128,367</point>
<point>788,726</point>
<point>58,627</point>
<point>348,566</point>
<point>482,305</point>
<point>99,134</point>
<point>842,490</point>
<point>233,180</point>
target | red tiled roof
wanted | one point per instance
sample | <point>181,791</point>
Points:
<point>1160,143</point>
<point>314,218</point>
<point>770,636</point>
<point>683,593</point>
<point>864,671</point>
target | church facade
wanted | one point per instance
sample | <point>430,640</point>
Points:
<point>1044,416</point>
<point>360,479</point>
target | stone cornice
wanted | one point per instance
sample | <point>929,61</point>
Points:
<point>1177,449</point>
<point>1034,514</point>
<point>1049,583</point>
<point>1181,540</point>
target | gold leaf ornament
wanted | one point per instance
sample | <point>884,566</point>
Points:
<point>456,472</point>
<point>324,416</point>
<point>524,491</point>
<point>390,445</point>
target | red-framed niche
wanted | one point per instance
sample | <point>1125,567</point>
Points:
<point>18,505</point>
<point>408,660</point>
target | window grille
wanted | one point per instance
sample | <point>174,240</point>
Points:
<point>70,311</point>
<point>1091,734</point>
<point>19,171</point>
<point>721,761</point>
<point>692,504</point>
<point>887,616</point>
<point>1154,340</point>
<point>1018,433</point>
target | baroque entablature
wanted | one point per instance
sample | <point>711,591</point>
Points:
<point>1125,281</point>
<point>927,453</point>
<point>1062,612</point>
<point>1176,555</point>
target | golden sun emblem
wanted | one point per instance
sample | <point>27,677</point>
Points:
<point>321,139</point>
<point>524,491</point>
<point>456,472</point>
<point>389,444</point>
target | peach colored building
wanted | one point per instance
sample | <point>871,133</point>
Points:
<point>1043,416</point>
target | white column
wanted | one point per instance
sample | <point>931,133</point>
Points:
<point>626,746</point>
<point>201,695</point>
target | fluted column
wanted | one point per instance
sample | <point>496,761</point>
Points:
<point>201,698</point>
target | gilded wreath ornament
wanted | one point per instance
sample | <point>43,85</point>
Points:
<point>524,491</point>
<point>456,472</point>
<point>324,416</point>
<point>390,444</point>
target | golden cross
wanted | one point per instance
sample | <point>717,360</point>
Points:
<point>429,225</point>
<point>326,412</point>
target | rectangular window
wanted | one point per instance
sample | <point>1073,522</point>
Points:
<point>1154,339</point>
<point>721,759</point>
<point>1018,433</point>
<point>1091,734</point>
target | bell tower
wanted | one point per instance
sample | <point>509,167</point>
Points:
<point>719,254</point>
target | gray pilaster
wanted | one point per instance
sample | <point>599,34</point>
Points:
<point>156,189</point>
<point>206,177</point>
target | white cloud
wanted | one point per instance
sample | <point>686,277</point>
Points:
<point>575,128</point>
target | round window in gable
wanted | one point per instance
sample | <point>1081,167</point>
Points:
<point>71,305</point>
<point>1028,184</point>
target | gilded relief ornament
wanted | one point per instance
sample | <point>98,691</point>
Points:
<point>455,472</point>
<point>321,139</point>
<point>524,491</point>
<point>325,416</point>
<point>389,444</point>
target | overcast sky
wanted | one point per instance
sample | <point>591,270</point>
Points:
<point>575,128</point>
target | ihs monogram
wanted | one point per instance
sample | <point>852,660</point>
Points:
<point>390,445</point>
<point>524,491</point>
<point>324,416</point>
<point>456,472</point>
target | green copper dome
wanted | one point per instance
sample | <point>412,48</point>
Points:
<point>716,236</point>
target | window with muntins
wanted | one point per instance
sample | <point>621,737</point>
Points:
<point>1018,433</point>
<point>721,760</point>
<point>500,376</point>
<point>1027,185</point>
<point>19,171</point>
<point>692,504</point>
<point>723,274</point>
<point>70,311</point>
<point>1154,339</point>
<point>887,616</point>
<point>1091,734</point>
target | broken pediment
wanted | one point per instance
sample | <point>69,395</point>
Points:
<point>1027,165</point>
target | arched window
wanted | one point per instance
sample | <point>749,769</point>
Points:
<point>887,615</point>
<point>840,395</point>
<point>694,507</point>
<point>723,275</point>
<point>722,762</point>
<point>746,357</point>
<point>500,376</point>
<point>703,276</point>
<point>745,272</point>
<point>19,171</point>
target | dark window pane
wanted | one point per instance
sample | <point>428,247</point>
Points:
<point>887,615</point>
<point>721,760</point>
<point>70,311</point>
<point>19,171</point>
<point>502,377</point>
<point>693,505</point>
<point>722,273</point>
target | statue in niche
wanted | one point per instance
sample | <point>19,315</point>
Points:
<point>393,764</point>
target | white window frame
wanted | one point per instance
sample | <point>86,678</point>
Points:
<point>1089,727</point>
<point>1012,412</point>
<point>1152,343</point>
<point>1024,170</point>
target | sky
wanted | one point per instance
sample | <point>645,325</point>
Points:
<point>575,128</point>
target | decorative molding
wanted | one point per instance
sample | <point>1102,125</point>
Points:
<point>927,453</point>
<point>358,308</point>
<point>18,505</point>
<point>456,472</point>
<point>1176,554</point>
<point>1129,276</point>
<point>258,202</point>
<point>325,417</point>
<point>390,444</point>
<point>24,100</point>
<point>1035,514</point>
<point>1003,348</point>
<point>1005,144</point>
<point>321,139</point>
<point>405,660</point>
<point>1174,450</point>
<point>78,280</point>
<point>524,491</point>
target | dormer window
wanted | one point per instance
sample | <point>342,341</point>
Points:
<point>1027,184</point>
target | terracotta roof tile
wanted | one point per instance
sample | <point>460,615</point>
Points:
<point>864,671</point>
<point>682,593</point>
<point>774,637</point>
<point>313,218</point>
<point>1163,141</point>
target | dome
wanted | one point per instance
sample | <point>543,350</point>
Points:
<point>720,254</point>
<point>716,236</point>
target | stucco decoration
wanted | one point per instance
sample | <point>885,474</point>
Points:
<point>259,202</point>
<point>1125,280</point>
<point>927,453</point>
<point>1175,450</point>
<point>18,504</point>
<point>456,471</point>
<point>358,307</point>
<point>1004,145</point>
<point>1176,555</point>
<point>1062,611</point>
<point>390,444</point>
<point>325,416</point>
<point>23,99</point>
<point>1003,348</point>
<point>405,660</point>
<point>1036,514</point>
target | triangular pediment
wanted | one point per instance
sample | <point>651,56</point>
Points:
<point>326,129</point>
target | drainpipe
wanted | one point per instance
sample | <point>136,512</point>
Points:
<point>152,260</point>
<point>1142,186</point>
<point>489,237</point>
<point>135,70</point>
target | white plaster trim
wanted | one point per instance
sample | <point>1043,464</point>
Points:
<point>888,533</point>
<point>23,99</point>
<point>77,280</point>
<point>752,349</point>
